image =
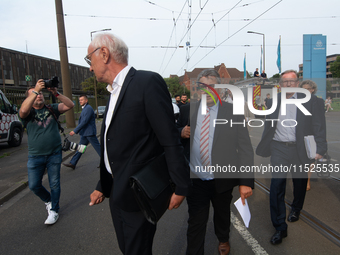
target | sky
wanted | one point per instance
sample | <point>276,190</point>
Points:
<point>157,31</point>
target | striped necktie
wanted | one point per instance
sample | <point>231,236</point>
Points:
<point>204,141</point>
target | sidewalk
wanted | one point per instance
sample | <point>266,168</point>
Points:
<point>13,170</point>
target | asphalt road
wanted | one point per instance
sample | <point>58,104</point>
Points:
<point>82,229</point>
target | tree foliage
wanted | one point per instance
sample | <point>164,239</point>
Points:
<point>88,86</point>
<point>175,88</point>
<point>328,86</point>
<point>335,68</point>
<point>276,76</point>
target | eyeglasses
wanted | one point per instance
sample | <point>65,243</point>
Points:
<point>290,82</point>
<point>203,85</point>
<point>87,57</point>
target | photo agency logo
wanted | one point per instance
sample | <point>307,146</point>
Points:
<point>204,96</point>
<point>238,103</point>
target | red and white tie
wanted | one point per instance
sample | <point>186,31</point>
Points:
<point>204,141</point>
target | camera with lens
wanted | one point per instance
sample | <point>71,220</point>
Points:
<point>71,146</point>
<point>52,83</point>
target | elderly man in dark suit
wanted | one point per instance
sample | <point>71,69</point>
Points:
<point>86,129</point>
<point>284,142</point>
<point>223,145</point>
<point>138,126</point>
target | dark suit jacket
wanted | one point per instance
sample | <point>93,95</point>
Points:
<point>87,122</point>
<point>142,127</point>
<point>231,145</point>
<point>307,125</point>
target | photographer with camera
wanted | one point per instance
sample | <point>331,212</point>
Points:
<point>44,142</point>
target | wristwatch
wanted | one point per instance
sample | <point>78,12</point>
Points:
<point>56,95</point>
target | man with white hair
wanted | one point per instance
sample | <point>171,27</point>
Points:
<point>138,126</point>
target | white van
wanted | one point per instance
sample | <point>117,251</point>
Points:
<point>11,129</point>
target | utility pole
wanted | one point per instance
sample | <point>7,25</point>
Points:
<point>28,66</point>
<point>2,72</point>
<point>65,72</point>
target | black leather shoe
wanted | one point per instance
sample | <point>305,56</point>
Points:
<point>293,216</point>
<point>69,165</point>
<point>277,237</point>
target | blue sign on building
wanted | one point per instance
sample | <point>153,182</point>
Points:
<point>314,61</point>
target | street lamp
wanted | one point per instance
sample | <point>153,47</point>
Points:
<point>264,58</point>
<point>94,76</point>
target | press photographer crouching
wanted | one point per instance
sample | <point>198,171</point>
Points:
<point>44,142</point>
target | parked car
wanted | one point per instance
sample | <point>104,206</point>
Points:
<point>101,110</point>
<point>11,129</point>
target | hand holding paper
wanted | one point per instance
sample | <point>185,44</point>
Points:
<point>244,211</point>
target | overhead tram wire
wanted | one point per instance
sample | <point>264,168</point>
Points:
<point>208,20</point>
<point>187,44</point>
<point>174,29</point>
<point>210,31</point>
<point>244,5</point>
<point>158,5</point>
<point>238,31</point>
<point>229,45</point>
<point>189,28</point>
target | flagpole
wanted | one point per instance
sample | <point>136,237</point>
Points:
<point>261,61</point>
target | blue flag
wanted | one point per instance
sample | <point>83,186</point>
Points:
<point>278,62</point>
<point>244,67</point>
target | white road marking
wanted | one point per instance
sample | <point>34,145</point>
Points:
<point>250,240</point>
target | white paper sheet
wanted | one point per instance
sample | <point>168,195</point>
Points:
<point>310,145</point>
<point>244,211</point>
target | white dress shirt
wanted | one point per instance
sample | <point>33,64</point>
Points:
<point>114,89</point>
<point>286,134</point>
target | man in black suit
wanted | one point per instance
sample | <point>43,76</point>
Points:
<point>284,142</point>
<point>138,125</point>
<point>225,145</point>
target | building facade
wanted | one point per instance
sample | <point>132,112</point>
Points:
<point>15,66</point>
<point>228,76</point>
<point>334,82</point>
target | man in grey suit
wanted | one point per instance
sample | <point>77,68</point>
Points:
<point>283,140</point>
<point>87,130</point>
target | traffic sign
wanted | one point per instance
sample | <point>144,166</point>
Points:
<point>28,78</point>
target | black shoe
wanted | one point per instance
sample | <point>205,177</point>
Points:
<point>277,237</point>
<point>69,165</point>
<point>293,216</point>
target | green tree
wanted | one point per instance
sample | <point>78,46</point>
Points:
<point>88,86</point>
<point>276,76</point>
<point>175,88</point>
<point>328,86</point>
<point>335,68</point>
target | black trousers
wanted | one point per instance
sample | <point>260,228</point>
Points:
<point>283,155</point>
<point>199,198</point>
<point>134,233</point>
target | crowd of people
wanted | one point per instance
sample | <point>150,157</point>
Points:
<point>191,143</point>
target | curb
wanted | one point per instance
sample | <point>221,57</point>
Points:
<point>21,185</point>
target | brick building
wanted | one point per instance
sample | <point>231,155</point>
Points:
<point>228,76</point>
